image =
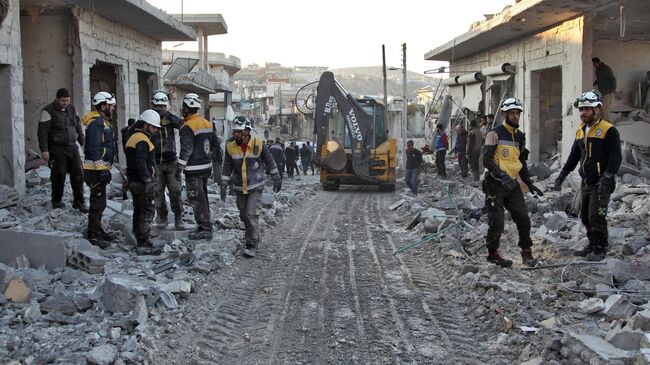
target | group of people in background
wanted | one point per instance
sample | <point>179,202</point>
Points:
<point>287,158</point>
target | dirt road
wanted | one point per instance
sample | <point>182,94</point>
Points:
<point>326,288</point>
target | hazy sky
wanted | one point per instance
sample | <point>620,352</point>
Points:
<point>335,33</point>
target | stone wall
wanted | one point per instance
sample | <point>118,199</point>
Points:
<point>561,46</point>
<point>12,124</point>
<point>128,50</point>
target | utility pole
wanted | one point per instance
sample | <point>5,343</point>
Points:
<point>405,107</point>
<point>383,57</point>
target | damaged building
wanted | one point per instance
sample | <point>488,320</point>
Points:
<point>84,47</point>
<point>541,52</point>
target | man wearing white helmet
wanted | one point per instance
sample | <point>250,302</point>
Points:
<point>598,149</point>
<point>167,173</point>
<point>504,156</point>
<point>98,160</point>
<point>245,164</point>
<point>195,159</point>
<point>140,163</point>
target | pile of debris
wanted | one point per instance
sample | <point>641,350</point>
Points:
<point>63,300</point>
<point>564,310</point>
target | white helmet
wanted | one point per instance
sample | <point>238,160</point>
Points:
<point>159,98</point>
<point>192,100</point>
<point>590,99</point>
<point>511,104</point>
<point>150,117</point>
<point>103,97</point>
<point>240,123</point>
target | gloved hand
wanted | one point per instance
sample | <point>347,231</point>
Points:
<point>277,185</point>
<point>508,183</point>
<point>606,184</point>
<point>149,189</point>
<point>534,189</point>
<point>558,182</point>
<point>179,171</point>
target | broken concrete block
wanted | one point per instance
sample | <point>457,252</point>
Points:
<point>618,307</point>
<point>624,271</point>
<point>66,304</point>
<point>17,291</point>
<point>40,249</point>
<point>89,261</point>
<point>170,236</point>
<point>168,300</point>
<point>122,291</point>
<point>430,226</point>
<point>416,208</point>
<point>102,355</point>
<point>469,268</point>
<point>600,350</point>
<point>177,286</point>
<point>633,244</point>
<point>540,170</point>
<point>556,221</point>
<point>641,320</point>
<point>625,338</point>
<point>33,313</point>
<point>591,305</point>
<point>140,311</point>
<point>21,262</point>
<point>267,200</point>
<point>397,204</point>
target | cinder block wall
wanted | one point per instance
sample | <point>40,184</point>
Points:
<point>130,51</point>
<point>561,46</point>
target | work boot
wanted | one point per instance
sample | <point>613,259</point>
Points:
<point>147,248</point>
<point>58,205</point>
<point>250,250</point>
<point>200,234</point>
<point>597,254</point>
<point>161,222</point>
<point>584,252</point>
<point>178,223</point>
<point>96,239</point>
<point>496,259</point>
<point>80,206</point>
<point>527,257</point>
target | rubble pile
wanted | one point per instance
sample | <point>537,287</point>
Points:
<point>565,310</point>
<point>65,301</point>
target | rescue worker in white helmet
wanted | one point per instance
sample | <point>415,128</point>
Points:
<point>246,161</point>
<point>164,142</point>
<point>597,147</point>
<point>99,150</point>
<point>504,157</point>
<point>139,153</point>
<point>198,143</point>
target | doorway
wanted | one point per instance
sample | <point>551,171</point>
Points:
<point>145,89</point>
<point>546,113</point>
<point>6,138</point>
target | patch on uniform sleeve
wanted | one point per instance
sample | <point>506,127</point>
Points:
<point>206,147</point>
<point>599,132</point>
<point>505,152</point>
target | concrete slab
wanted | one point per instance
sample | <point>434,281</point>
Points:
<point>40,249</point>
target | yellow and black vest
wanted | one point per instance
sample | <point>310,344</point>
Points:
<point>509,147</point>
<point>197,144</point>
<point>99,148</point>
<point>139,153</point>
<point>247,170</point>
<point>598,153</point>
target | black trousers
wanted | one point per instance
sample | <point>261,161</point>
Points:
<point>197,197</point>
<point>143,211</point>
<point>593,214</point>
<point>473,159</point>
<point>462,161</point>
<point>97,181</point>
<point>440,163</point>
<point>496,199</point>
<point>66,160</point>
<point>291,165</point>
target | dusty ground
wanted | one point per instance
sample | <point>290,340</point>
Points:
<point>326,288</point>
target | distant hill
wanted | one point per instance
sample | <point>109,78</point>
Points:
<point>369,81</point>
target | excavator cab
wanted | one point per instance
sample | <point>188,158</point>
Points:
<point>353,147</point>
